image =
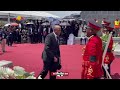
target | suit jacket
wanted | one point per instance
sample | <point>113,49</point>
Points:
<point>51,48</point>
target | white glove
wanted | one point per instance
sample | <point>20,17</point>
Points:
<point>106,66</point>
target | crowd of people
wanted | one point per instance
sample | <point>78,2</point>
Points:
<point>36,32</point>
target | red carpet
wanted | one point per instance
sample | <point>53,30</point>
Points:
<point>29,57</point>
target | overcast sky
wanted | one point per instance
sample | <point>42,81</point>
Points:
<point>62,13</point>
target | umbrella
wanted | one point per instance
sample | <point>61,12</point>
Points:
<point>50,19</point>
<point>6,25</point>
<point>46,24</point>
<point>14,24</point>
<point>64,24</point>
<point>55,23</point>
<point>29,23</point>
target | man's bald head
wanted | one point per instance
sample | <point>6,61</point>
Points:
<point>57,29</point>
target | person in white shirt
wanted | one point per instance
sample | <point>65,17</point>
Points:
<point>83,37</point>
<point>71,39</point>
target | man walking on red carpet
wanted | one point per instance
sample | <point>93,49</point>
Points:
<point>51,54</point>
<point>92,57</point>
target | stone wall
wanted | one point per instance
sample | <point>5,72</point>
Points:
<point>109,15</point>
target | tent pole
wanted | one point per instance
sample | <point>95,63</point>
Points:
<point>9,18</point>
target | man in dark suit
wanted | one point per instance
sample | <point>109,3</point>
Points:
<point>51,54</point>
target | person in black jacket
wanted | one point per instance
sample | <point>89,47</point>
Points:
<point>3,36</point>
<point>30,30</point>
<point>45,32</point>
<point>51,54</point>
<point>18,32</point>
<point>10,37</point>
<point>40,30</point>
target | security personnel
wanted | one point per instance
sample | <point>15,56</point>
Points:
<point>92,56</point>
<point>3,36</point>
<point>109,57</point>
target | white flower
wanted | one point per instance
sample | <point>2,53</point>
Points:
<point>6,72</point>
<point>9,71</point>
<point>6,76</point>
<point>31,77</point>
<point>19,70</point>
<point>32,73</point>
<point>17,73</point>
<point>1,70</point>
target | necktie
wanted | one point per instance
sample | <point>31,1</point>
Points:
<point>57,39</point>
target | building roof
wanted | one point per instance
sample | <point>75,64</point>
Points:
<point>28,13</point>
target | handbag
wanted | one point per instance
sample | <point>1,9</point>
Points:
<point>57,65</point>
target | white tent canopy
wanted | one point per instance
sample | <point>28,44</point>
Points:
<point>44,14</point>
<point>28,13</point>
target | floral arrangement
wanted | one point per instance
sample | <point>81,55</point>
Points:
<point>16,73</point>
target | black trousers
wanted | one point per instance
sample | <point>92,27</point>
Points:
<point>39,38</point>
<point>10,41</point>
<point>36,38</point>
<point>85,40</point>
<point>81,41</point>
<point>48,66</point>
<point>31,38</point>
<point>19,38</point>
<point>44,38</point>
<point>109,70</point>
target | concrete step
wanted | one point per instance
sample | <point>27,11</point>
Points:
<point>5,63</point>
